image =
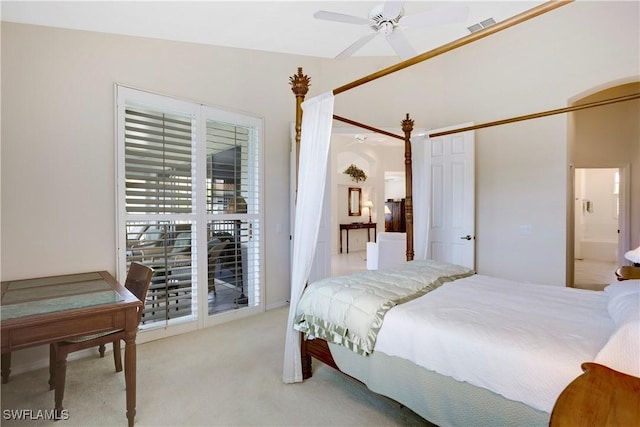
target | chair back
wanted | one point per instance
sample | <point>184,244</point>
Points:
<point>137,282</point>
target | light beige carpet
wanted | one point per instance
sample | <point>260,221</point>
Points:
<point>227,375</point>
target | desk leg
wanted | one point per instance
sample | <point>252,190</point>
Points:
<point>130,375</point>
<point>52,366</point>
<point>59,378</point>
<point>347,231</point>
<point>6,367</point>
<point>340,240</point>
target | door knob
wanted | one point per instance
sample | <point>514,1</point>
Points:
<point>467,237</point>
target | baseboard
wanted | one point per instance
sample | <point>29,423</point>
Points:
<point>276,305</point>
<point>32,359</point>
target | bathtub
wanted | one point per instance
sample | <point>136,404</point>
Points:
<point>599,250</point>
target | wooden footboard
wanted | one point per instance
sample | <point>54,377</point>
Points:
<point>317,348</point>
<point>600,396</point>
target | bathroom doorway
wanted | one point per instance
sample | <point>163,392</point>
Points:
<point>597,225</point>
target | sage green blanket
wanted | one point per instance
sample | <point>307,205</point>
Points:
<point>349,310</point>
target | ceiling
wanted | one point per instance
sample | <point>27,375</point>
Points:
<point>273,26</point>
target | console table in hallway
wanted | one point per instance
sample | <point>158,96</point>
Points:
<point>356,226</point>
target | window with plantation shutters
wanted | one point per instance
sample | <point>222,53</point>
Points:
<point>189,205</point>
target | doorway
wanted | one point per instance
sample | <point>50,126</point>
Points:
<point>597,202</point>
<point>394,202</point>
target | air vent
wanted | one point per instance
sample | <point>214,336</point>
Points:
<point>481,25</point>
<point>474,28</point>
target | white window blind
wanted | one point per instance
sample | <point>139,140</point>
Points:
<point>158,162</point>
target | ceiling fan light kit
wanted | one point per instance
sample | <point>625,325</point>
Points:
<point>388,20</point>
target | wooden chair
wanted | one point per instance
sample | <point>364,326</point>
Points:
<point>137,282</point>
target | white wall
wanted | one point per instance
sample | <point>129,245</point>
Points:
<point>58,143</point>
<point>522,168</point>
<point>394,186</point>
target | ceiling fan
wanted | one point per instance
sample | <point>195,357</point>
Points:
<point>367,140</point>
<point>388,19</point>
<point>357,139</point>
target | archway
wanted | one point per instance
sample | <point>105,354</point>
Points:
<point>606,137</point>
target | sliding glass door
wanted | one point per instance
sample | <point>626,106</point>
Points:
<point>189,206</point>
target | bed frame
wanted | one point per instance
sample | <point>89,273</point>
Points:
<point>319,348</point>
<point>300,83</point>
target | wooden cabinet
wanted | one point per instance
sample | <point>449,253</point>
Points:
<point>394,217</point>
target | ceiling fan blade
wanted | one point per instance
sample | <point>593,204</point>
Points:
<point>355,46</point>
<point>392,8</point>
<point>442,16</point>
<point>401,45</point>
<point>340,17</point>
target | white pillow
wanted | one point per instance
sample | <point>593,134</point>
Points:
<point>622,350</point>
<point>623,287</point>
<point>624,307</point>
<point>633,255</point>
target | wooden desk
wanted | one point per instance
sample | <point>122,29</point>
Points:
<point>51,309</point>
<point>599,397</point>
<point>356,226</point>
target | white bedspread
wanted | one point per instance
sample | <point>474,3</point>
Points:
<point>527,348</point>
<point>349,310</point>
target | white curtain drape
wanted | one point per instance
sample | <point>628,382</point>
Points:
<point>421,196</point>
<point>317,120</point>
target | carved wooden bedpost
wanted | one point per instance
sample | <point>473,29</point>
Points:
<point>407,127</point>
<point>300,86</point>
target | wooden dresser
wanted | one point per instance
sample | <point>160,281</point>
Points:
<point>394,217</point>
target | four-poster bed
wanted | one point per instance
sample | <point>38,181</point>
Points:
<point>443,394</point>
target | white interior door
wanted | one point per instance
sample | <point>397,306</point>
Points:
<point>451,166</point>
